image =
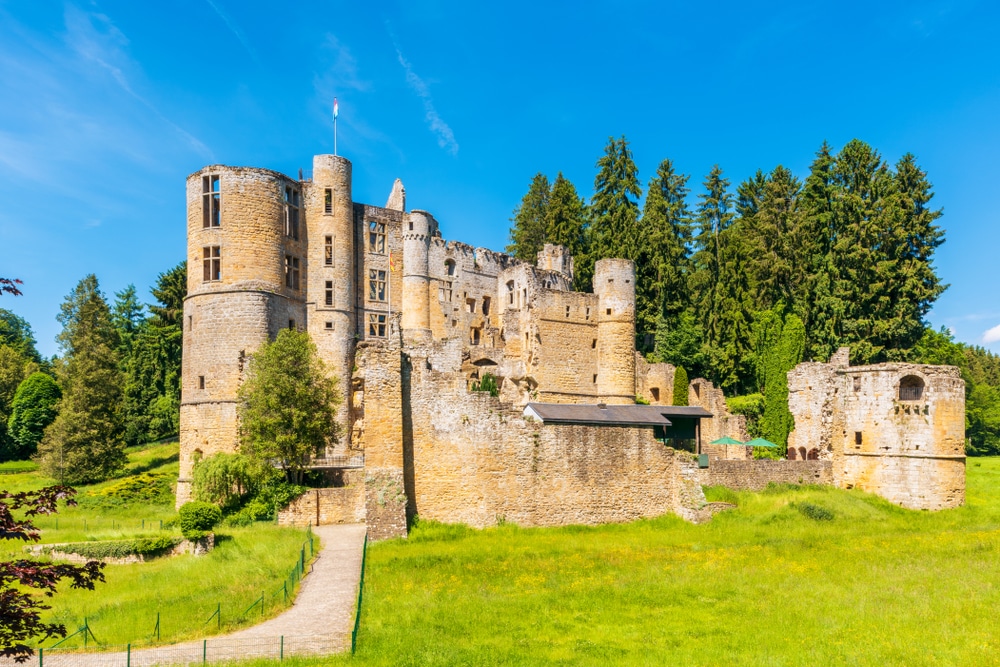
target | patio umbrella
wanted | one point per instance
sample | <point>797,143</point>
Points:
<point>727,441</point>
<point>760,442</point>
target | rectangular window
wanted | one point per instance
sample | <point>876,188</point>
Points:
<point>211,201</point>
<point>474,337</point>
<point>376,237</point>
<point>329,293</point>
<point>470,304</point>
<point>376,285</point>
<point>201,382</point>
<point>212,262</point>
<point>291,272</point>
<point>376,325</point>
<point>486,305</point>
<point>291,324</point>
<point>444,291</point>
<point>328,251</point>
<point>328,201</point>
<point>329,326</point>
<point>292,213</point>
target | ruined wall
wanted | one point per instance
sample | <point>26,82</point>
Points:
<point>654,382</point>
<point>906,446</point>
<point>476,461</point>
<point>753,475</point>
<point>564,355</point>
<point>322,507</point>
<point>703,393</point>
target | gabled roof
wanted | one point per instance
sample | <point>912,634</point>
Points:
<point>612,415</point>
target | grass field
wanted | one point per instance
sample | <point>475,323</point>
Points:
<point>764,584</point>
<point>185,591</point>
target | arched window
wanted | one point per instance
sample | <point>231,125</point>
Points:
<point>510,292</point>
<point>911,388</point>
<point>449,265</point>
<point>791,454</point>
<point>813,454</point>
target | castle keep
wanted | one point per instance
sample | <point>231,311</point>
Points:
<point>410,323</point>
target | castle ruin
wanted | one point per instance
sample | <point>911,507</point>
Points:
<point>411,323</point>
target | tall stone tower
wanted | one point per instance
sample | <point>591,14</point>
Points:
<point>246,261</point>
<point>331,307</point>
<point>614,285</point>
<point>418,229</point>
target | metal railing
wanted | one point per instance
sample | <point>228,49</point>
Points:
<point>357,461</point>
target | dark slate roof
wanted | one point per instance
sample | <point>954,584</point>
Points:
<point>612,415</point>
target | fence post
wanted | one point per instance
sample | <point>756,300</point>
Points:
<point>281,654</point>
<point>204,651</point>
<point>218,611</point>
<point>86,631</point>
<point>262,594</point>
<point>157,626</point>
<point>128,655</point>
<point>285,587</point>
<point>41,653</point>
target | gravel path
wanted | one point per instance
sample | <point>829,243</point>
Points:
<point>319,621</point>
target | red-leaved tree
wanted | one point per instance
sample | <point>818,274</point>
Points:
<point>20,609</point>
<point>9,285</point>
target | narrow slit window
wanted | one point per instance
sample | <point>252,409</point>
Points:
<point>291,324</point>
<point>486,305</point>
<point>292,213</point>
<point>328,201</point>
<point>328,299</point>
<point>201,382</point>
<point>328,251</point>
<point>292,272</point>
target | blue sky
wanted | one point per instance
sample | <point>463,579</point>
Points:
<point>108,106</point>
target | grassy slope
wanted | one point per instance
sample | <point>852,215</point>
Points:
<point>184,589</point>
<point>761,585</point>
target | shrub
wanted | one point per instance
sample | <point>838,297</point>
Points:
<point>680,393</point>
<point>198,518</point>
<point>273,496</point>
<point>228,479</point>
<point>814,512</point>
<point>140,546</point>
<point>487,384</point>
<point>153,488</point>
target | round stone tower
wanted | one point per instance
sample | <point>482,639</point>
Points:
<point>332,323</point>
<point>238,297</point>
<point>418,228</point>
<point>614,285</point>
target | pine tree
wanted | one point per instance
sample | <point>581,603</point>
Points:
<point>771,238</point>
<point>85,442</point>
<point>615,207</point>
<point>819,307</point>
<point>530,219</point>
<point>663,267</point>
<point>566,218</point>
<point>169,291</point>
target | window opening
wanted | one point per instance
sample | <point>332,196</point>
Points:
<point>857,438</point>
<point>857,383</point>
<point>292,213</point>
<point>449,266</point>
<point>376,325</point>
<point>212,260</point>
<point>376,237</point>
<point>201,382</point>
<point>444,291</point>
<point>329,293</point>
<point>291,324</point>
<point>474,338</point>
<point>609,311</point>
<point>510,293</point>
<point>291,272</point>
<point>567,311</point>
<point>486,305</point>
<point>471,305</point>
<point>911,388</point>
<point>329,325</point>
<point>595,378</point>
<point>328,201</point>
<point>593,344</point>
<point>211,201</point>
<point>588,313</point>
<point>376,285</point>
<point>328,251</point>
<point>655,391</point>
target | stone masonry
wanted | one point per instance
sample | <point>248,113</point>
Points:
<point>410,324</point>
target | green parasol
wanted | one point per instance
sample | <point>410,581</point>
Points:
<point>760,442</point>
<point>727,441</point>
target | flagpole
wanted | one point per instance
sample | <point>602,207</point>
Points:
<point>335,125</point>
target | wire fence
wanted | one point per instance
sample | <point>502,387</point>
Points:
<point>85,637</point>
<point>200,652</point>
<point>91,525</point>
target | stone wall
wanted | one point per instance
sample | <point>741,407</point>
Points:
<point>703,393</point>
<point>322,507</point>
<point>756,475</point>
<point>475,460</point>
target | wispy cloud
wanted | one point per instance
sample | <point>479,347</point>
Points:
<point>341,73</point>
<point>95,38</point>
<point>235,29</point>
<point>991,335</point>
<point>446,138</point>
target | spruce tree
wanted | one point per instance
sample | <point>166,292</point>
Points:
<point>615,206</point>
<point>771,239</point>
<point>662,269</point>
<point>566,218</point>
<point>820,308</point>
<point>530,220</point>
<point>85,443</point>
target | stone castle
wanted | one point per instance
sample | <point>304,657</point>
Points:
<point>411,324</point>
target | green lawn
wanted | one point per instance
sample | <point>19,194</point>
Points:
<point>184,590</point>
<point>760,585</point>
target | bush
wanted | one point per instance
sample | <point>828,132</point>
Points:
<point>750,406</point>
<point>197,519</point>
<point>487,384</point>
<point>140,546</point>
<point>153,488</point>
<point>274,496</point>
